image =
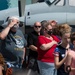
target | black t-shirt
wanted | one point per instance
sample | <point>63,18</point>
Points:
<point>32,40</point>
<point>61,51</point>
<point>13,45</point>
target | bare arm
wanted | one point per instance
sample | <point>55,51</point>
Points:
<point>24,51</point>
<point>1,68</point>
<point>32,47</point>
<point>69,61</point>
<point>59,63</point>
<point>72,69</point>
<point>5,32</point>
<point>48,45</point>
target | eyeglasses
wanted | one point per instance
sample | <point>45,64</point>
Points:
<point>37,26</point>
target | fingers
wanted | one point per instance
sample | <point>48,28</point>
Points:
<point>12,23</point>
<point>55,42</point>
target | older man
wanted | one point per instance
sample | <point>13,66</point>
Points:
<point>32,39</point>
<point>13,42</point>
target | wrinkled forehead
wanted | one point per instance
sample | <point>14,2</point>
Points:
<point>37,24</point>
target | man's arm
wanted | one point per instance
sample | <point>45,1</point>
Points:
<point>24,52</point>
<point>5,32</point>
<point>32,47</point>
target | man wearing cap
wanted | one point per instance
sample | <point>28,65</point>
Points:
<point>13,42</point>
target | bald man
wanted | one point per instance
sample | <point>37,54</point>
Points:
<point>32,40</point>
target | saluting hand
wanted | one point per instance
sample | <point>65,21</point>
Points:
<point>12,23</point>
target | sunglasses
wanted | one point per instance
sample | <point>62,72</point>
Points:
<point>37,26</point>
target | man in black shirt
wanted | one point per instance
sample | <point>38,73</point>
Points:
<point>32,40</point>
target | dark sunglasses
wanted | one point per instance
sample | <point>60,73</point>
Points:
<point>37,26</point>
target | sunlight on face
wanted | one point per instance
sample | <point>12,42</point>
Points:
<point>37,27</point>
<point>49,27</point>
<point>66,38</point>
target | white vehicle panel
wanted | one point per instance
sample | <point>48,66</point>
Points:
<point>60,17</point>
<point>71,18</point>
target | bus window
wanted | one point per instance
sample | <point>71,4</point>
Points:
<point>28,2</point>
<point>31,2</point>
<point>72,2</point>
<point>40,1</point>
<point>51,1</point>
<point>60,3</point>
<point>34,1</point>
<point>73,28</point>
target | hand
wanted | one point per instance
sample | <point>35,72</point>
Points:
<point>12,23</point>
<point>68,68</point>
<point>55,42</point>
<point>68,46</point>
<point>59,43</point>
<point>22,61</point>
<point>66,53</point>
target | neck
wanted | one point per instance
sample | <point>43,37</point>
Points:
<point>38,33</point>
<point>65,45</point>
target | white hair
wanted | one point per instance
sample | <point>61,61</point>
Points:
<point>14,17</point>
<point>10,18</point>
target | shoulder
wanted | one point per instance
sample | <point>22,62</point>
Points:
<point>71,51</point>
<point>56,38</point>
<point>41,36</point>
<point>57,49</point>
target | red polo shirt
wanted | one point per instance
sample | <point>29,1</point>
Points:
<point>46,55</point>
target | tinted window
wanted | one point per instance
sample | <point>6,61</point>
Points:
<point>73,28</point>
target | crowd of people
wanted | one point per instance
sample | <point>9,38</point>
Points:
<point>51,47</point>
